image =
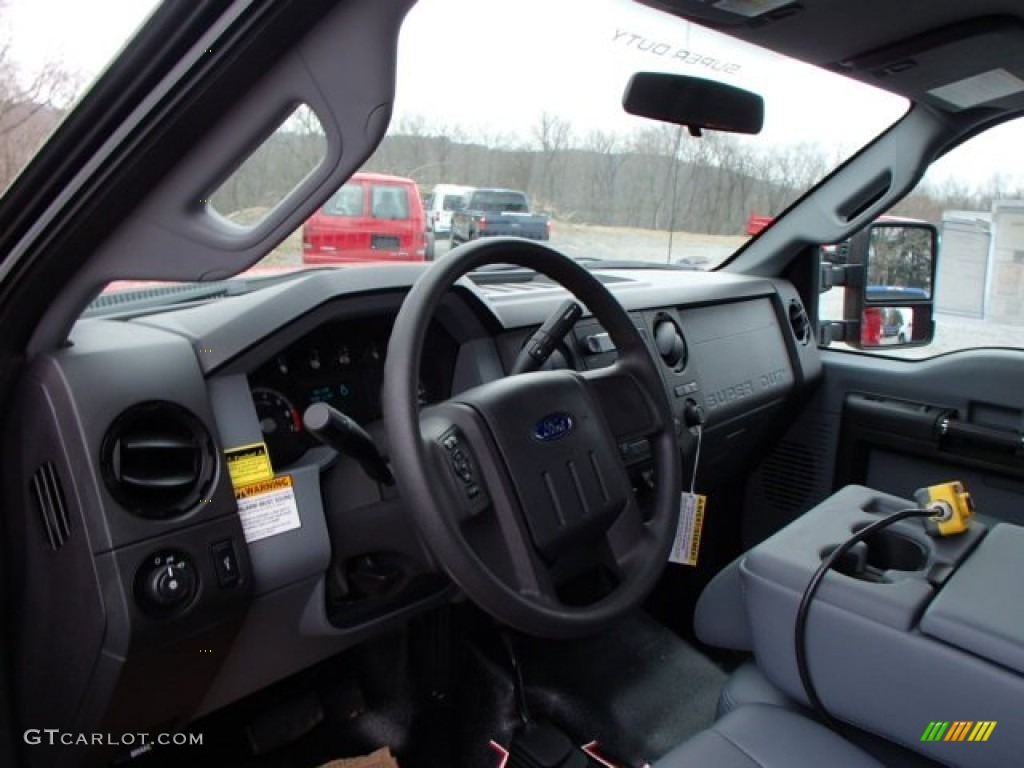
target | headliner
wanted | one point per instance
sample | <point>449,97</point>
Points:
<point>907,47</point>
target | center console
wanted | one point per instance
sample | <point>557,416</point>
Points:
<point>907,630</point>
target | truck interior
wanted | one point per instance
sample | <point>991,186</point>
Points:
<point>513,506</point>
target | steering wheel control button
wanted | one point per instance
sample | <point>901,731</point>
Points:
<point>635,452</point>
<point>464,470</point>
<point>165,583</point>
<point>225,563</point>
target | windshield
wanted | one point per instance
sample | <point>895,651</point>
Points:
<point>604,184</point>
<point>50,52</point>
<point>549,137</point>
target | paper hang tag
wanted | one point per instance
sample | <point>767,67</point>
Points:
<point>686,547</point>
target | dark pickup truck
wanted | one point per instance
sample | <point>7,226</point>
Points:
<point>494,212</point>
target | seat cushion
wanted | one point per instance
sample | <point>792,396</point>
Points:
<point>766,736</point>
<point>748,685</point>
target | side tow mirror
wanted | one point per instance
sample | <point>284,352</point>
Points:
<point>890,287</point>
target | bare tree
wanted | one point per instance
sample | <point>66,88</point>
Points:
<point>554,137</point>
<point>607,160</point>
<point>31,106</point>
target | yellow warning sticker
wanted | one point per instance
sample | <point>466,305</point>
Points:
<point>686,547</point>
<point>267,508</point>
<point>249,464</point>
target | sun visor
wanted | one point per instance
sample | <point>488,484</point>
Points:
<point>976,64</point>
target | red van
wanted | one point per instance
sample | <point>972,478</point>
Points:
<point>373,217</point>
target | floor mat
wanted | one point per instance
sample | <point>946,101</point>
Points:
<point>637,688</point>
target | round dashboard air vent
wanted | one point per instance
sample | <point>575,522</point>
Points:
<point>669,341</point>
<point>157,459</point>
<point>799,322</point>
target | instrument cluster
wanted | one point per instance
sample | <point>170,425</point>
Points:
<point>341,364</point>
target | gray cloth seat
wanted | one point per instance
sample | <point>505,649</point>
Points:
<point>766,736</point>
<point>748,685</point>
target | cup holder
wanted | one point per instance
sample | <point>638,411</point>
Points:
<point>879,553</point>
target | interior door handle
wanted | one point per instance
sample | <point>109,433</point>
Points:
<point>1003,440</point>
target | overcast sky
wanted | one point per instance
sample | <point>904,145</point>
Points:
<point>494,65</point>
<point>81,36</point>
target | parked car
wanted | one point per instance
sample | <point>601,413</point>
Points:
<point>497,212</point>
<point>373,217</point>
<point>441,203</point>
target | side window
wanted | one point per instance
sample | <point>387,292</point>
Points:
<point>974,195</point>
<point>390,202</point>
<point>347,201</point>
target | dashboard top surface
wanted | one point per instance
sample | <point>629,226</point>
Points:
<point>229,326</point>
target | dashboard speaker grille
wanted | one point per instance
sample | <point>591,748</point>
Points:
<point>157,459</point>
<point>794,476</point>
<point>792,467</point>
<point>51,505</point>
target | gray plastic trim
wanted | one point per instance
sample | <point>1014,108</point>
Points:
<point>818,218</point>
<point>108,367</point>
<point>300,553</point>
<point>980,610</point>
<point>173,237</point>
<point>269,648</point>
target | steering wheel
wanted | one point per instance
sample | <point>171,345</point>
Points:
<point>515,482</point>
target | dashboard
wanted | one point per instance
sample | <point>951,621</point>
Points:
<point>142,452</point>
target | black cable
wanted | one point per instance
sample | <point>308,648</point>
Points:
<point>518,684</point>
<point>812,586</point>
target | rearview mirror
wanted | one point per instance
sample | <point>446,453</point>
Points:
<point>893,303</point>
<point>693,102</point>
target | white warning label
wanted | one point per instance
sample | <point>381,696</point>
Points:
<point>267,508</point>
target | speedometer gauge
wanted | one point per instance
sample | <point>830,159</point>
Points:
<point>281,425</point>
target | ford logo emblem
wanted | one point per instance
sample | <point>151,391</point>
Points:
<point>553,427</point>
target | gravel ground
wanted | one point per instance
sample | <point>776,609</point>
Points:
<point>586,241</point>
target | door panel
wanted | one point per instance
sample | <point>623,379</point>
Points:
<point>879,422</point>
